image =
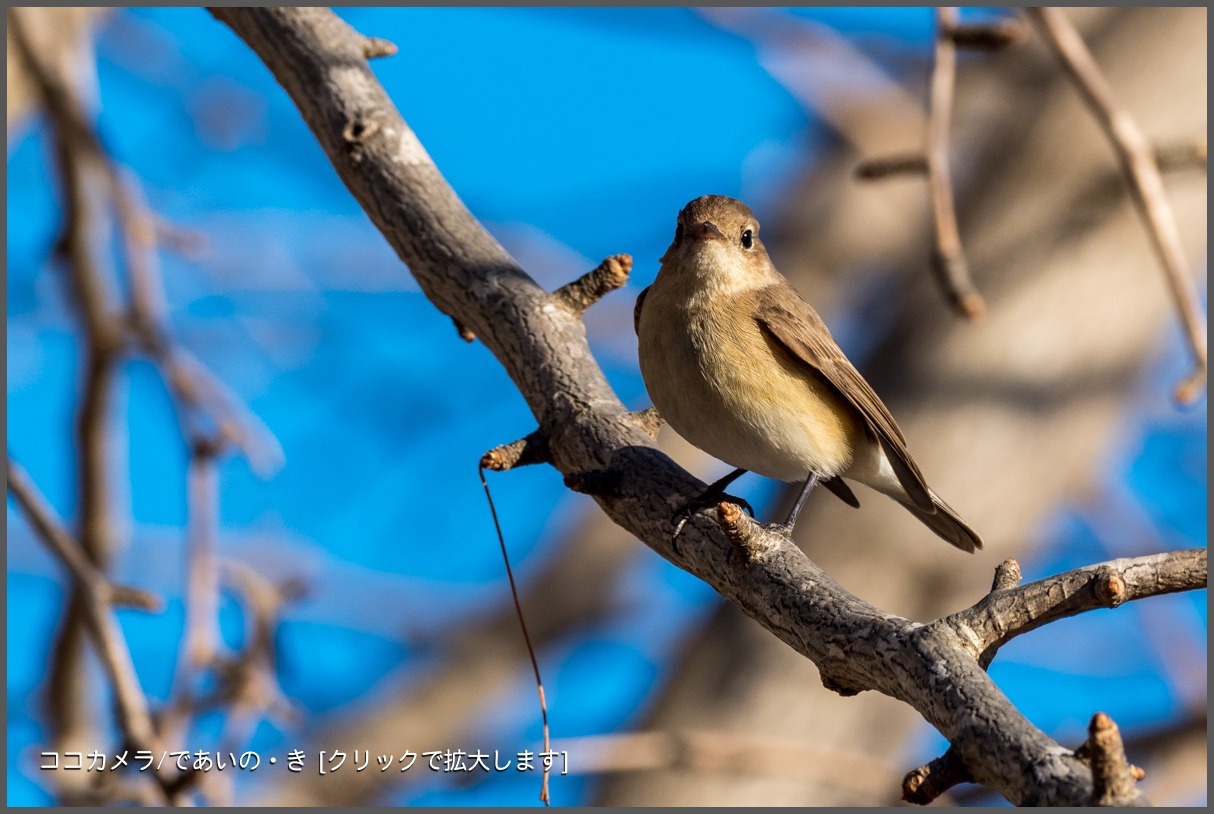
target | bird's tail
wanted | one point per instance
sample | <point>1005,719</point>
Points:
<point>947,524</point>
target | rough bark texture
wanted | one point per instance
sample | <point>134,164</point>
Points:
<point>321,63</point>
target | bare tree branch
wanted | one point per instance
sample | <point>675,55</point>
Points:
<point>948,261</point>
<point>1163,745</point>
<point>987,36</point>
<point>1009,612</point>
<point>948,256</point>
<point>1138,163</point>
<point>96,598</point>
<point>249,681</point>
<point>1183,155</point>
<point>886,166</point>
<point>928,782</point>
<point>592,286</point>
<point>209,419</point>
<point>200,638</point>
<point>1170,158</point>
<point>319,60</point>
<point>102,331</point>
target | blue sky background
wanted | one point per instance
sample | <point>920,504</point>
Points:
<point>550,123</point>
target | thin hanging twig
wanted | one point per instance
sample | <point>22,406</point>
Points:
<point>518,609</point>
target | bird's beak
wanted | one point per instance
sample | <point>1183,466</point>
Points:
<point>709,231</point>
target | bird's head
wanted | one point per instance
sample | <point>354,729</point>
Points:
<point>716,242</point>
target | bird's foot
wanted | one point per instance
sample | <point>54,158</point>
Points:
<point>707,500</point>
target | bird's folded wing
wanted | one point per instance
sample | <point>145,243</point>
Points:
<point>792,323</point>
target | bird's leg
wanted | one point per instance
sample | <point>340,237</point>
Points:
<point>786,527</point>
<point>710,496</point>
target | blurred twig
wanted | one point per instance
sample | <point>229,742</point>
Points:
<point>69,713</point>
<point>96,604</point>
<point>948,260</point>
<point>249,680</point>
<point>1141,170</point>
<point>200,636</point>
<point>948,256</point>
<point>1182,156</point>
<point>209,418</point>
<point>987,36</point>
<point>720,753</point>
<point>93,182</point>
<point>885,166</point>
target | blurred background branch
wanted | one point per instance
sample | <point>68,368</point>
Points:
<point>948,256</point>
<point>1138,161</point>
<point>95,598</point>
<point>79,245</point>
<point>96,196</point>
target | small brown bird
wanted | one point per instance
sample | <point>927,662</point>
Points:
<point>743,368</point>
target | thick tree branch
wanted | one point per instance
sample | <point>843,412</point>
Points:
<point>927,782</point>
<point>319,60</point>
<point>1008,611</point>
<point>1138,163</point>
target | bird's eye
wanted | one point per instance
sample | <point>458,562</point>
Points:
<point>748,239</point>
<point>678,233</point>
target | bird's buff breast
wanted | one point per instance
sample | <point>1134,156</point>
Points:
<point>719,383</point>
